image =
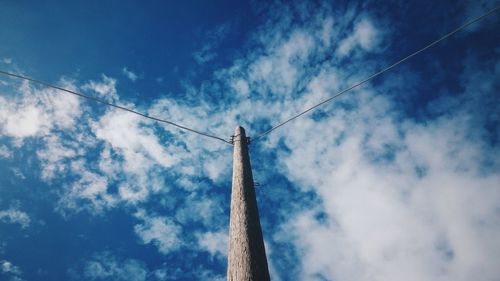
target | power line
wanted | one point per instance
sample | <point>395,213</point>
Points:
<point>379,72</point>
<point>112,105</point>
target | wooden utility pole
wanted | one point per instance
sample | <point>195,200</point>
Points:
<point>247,255</point>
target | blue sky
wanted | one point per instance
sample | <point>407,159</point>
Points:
<point>396,180</point>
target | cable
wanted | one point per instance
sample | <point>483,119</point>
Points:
<point>113,105</point>
<point>377,73</point>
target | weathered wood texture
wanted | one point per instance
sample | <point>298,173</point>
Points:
<point>247,255</point>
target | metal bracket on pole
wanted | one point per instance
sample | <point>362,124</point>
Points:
<point>232,139</point>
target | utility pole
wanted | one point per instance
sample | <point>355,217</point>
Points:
<point>247,255</point>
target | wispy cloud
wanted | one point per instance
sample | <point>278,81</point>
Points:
<point>211,41</point>
<point>160,231</point>
<point>364,35</point>
<point>129,74</point>
<point>106,266</point>
<point>10,271</point>
<point>15,216</point>
<point>38,111</point>
<point>214,242</point>
<point>5,152</point>
<point>105,89</point>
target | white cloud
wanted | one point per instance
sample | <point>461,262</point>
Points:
<point>211,40</point>
<point>133,159</point>
<point>364,35</point>
<point>8,267</point>
<point>108,164</point>
<point>216,243</point>
<point>409,216</point>
<point>137,152</point>
<point>277,72</point>
<point>198,208</point>
<point>160,274</point>
<point>398,195</point>
<point>108,266</point>
<point>5,152</point>
<point>54,155</point>
<point>105,266</point>
<point>327,31</point>
<point>10,271</point>
<point>204,55</point>
<point>473,9</point>
<point>26,123</point>
<point>158,230</point>
<point>207,275</point>
<point>129,74</point>
<point>38,111</point>
<point>89,192</point>
<point>18,173</point>
<point>241,87</point>
<point>15,216</point>
<point>129,136</point>
<point>133,193</point>
<point>213,167</point>
<point>106,89</point>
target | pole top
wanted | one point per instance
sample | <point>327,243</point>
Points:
<point>239,134</point>
<point>239,131</point>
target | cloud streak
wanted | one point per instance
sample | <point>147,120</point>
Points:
<point>129,74</point>
<point>15,216</point>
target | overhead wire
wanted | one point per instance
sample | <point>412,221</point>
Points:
<point>377,73</point>
<point>113,105</point>
<point>281,123</point>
